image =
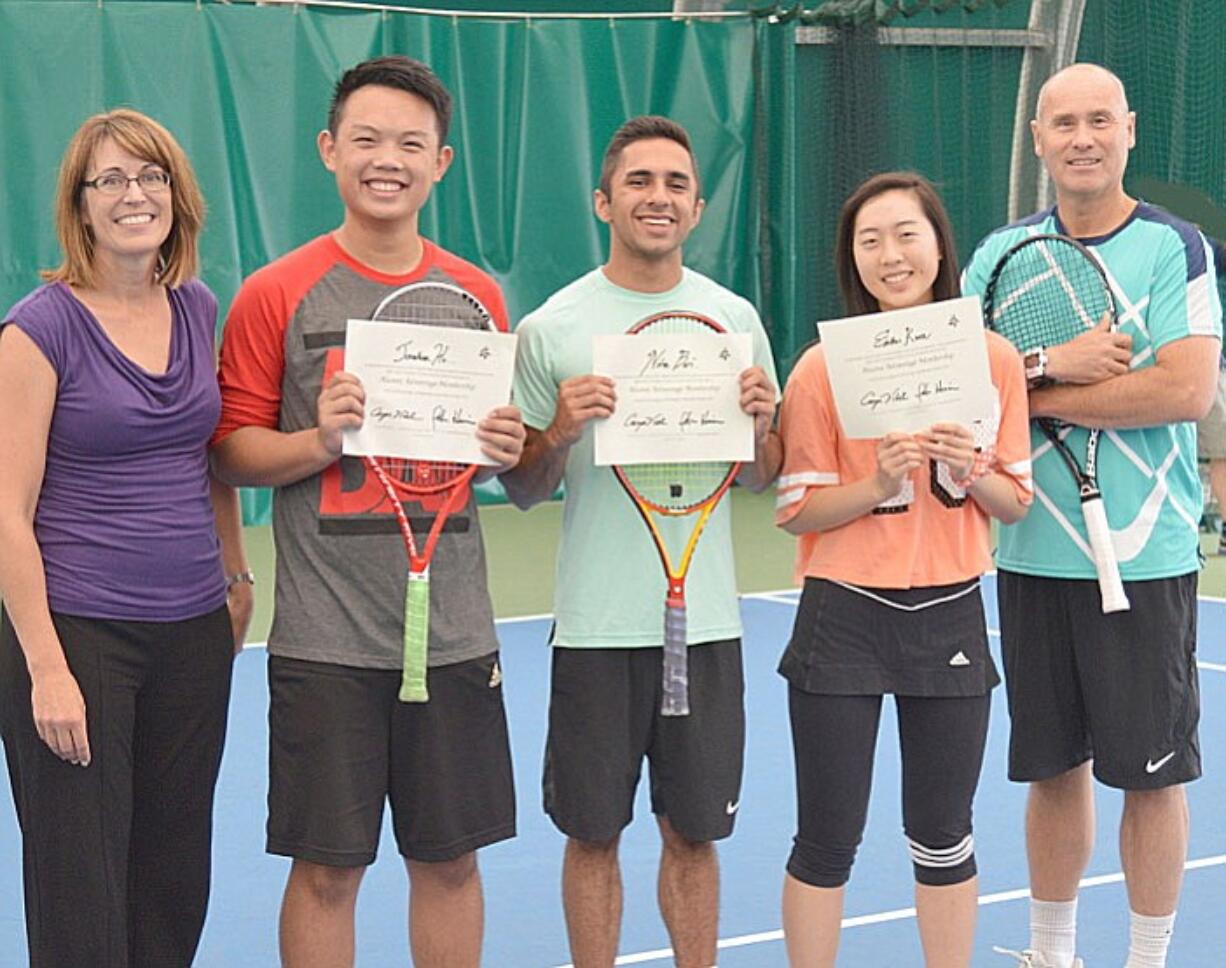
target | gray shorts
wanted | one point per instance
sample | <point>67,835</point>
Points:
<point>1211,430</point>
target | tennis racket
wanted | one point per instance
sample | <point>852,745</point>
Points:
<point>1045,291</point>
<point>438,486</point>
<point>664,491</point>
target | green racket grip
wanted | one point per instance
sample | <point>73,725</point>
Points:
<point>416,639</point>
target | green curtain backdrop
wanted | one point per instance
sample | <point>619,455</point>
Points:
<point>783,130</point>
<point>246,90</point>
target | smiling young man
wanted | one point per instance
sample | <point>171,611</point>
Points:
<point>1114,694</point>
<point>605,699</point>
<point>341,744</point>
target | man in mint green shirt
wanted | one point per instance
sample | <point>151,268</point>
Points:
<point>604,708</point>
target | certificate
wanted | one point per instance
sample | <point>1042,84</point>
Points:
<point>427,387</point>
<point>678,398</point>
<point>907,369</point>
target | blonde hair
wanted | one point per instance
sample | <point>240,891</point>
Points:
<point>143,137</point>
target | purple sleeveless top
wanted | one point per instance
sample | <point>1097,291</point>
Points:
<point>124,521</point>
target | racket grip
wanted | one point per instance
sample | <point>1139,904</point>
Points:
<point>1110,586</point>
<point>675,700</point>
<point>416,640</point>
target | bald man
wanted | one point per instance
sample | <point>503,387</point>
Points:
<point>1114,697</point>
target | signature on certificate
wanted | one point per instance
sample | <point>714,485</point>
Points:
<point>409,352</point>
<point>658,360</point>
<point>690,420</point>
<point>637,422</point>
<point>452,416</point>
<point>440,415</point>
<point>396,415</point>
<point>907,336</point>
<point>922,392</point>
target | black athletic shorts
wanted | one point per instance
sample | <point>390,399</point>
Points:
<point>604,717</point>
<point>1120,688</point>
<point>341,743</point>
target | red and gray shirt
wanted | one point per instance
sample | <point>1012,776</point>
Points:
<point>341,563</point>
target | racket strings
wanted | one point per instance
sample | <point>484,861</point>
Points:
<point>677,488</point>
<point>1046,292</point>
<point>434,304</point>
<point>402,519</point>
<point>419,476</point>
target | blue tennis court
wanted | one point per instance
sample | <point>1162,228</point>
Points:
<point>523,906</point>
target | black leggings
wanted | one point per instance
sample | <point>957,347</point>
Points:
<point>834,737</point>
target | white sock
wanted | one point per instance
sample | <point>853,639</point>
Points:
<point>1150,937</point>
<point>1053,931</point>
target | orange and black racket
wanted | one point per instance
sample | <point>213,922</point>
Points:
<point>669,491</point>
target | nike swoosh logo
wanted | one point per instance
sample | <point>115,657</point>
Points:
<point>732,807</point>
<point>1152,767</point>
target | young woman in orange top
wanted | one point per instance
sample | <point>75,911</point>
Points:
<point>894,536</point>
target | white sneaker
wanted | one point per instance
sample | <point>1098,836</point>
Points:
<point>1032,959</point>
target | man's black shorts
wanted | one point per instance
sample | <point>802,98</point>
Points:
<point>1120,688</point>
<point>604,717</point>
<point>341,743</point>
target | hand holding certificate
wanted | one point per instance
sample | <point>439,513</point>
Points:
<point>678,398</point>
<point>910,368</point>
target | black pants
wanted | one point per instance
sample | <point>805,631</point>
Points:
<point>117,855</point>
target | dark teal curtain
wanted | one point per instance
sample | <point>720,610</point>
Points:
<point>246,89</point>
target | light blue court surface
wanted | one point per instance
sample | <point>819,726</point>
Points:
<point>524,918</point>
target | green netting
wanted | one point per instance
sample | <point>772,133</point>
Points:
<point>859,103</point>
<point>1170,57</point>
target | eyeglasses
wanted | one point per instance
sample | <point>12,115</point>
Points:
<point>116,183</point>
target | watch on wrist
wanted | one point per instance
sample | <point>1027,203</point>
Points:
<point>246,577</point>
<point>1035,361</point>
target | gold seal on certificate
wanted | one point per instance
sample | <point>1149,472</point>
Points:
<point>678,398</point>
<point>427,387</point>
<point>904,370</point>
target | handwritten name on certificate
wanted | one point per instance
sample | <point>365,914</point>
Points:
<point>678,398</point>
<point>907,369</point>
<point>427,387</point>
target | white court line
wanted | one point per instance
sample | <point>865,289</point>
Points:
<point>777,598</point>
<point>899,914</point>
<point>780,596</point>
<point>772,596</point>
<point>775,594</point>
<point>514,619</point>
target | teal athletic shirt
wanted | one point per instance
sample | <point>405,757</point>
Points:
<point>1161,272</point>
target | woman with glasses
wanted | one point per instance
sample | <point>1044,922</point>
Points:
<point>123,581</point>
